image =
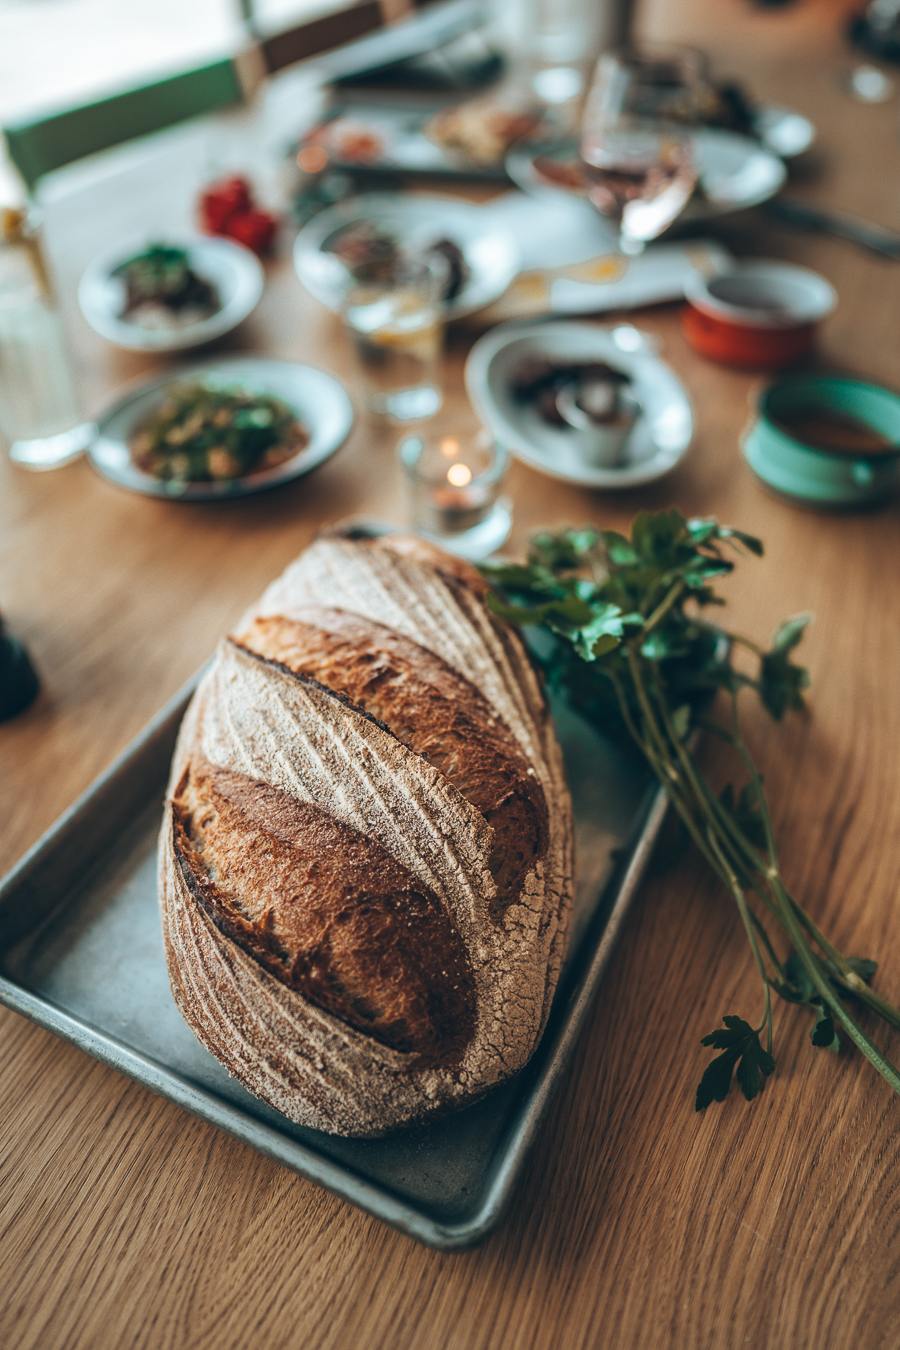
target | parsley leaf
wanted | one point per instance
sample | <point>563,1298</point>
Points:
<point>781,683</point>
<point>740,1047</point>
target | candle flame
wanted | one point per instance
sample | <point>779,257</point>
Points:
<point>449,447</point>
<point>459,475</point>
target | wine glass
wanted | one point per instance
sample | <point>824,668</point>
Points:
<point>636,148</point>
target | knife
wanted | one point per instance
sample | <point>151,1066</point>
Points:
<point>875,238</point>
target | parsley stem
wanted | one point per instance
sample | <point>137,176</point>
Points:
<point>708,799</point>
<point>748,643</point>
<point>708,805</point>
<point>662,609</point>
<point>807,957</point>
<point>845,974</point>
<point>712,806</point>
<point>659,766</point>
<point>741,902</point>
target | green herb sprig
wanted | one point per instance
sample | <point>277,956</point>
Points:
<point>631,646</point>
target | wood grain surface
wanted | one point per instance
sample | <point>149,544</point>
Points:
<point>639,1224</point>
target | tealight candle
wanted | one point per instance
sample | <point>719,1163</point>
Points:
<point>454,479</point>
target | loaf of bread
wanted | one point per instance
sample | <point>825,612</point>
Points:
<point>366,856</point>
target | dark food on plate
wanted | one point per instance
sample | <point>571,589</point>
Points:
<point>726,106</point>
<point>162,290</point>
<point>204,432</point>
<point>366,858</point>
<point>482,129</point>
<point>371,254</point>
<point>595,388</point>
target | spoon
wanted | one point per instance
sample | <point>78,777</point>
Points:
<point>52,452</point>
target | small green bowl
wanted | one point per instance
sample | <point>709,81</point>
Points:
<point>811,473</point>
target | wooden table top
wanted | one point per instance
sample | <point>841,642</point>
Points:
<point>639,1224</point>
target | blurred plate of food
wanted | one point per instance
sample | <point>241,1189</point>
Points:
<point>590,405</point>
<point>464,140</point>
<point>735,172</point>
<point>224,428</point>
<point>472,138</point>
<point>166,295</point>
<point>363,232</point>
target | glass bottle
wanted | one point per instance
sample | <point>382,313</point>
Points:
<point>39,414</point>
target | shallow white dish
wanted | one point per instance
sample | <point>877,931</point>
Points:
<point>660,437</point>
<point>490,251</point>
<point>318,399</point>
<point>233,270</point>
<point>735,172</point>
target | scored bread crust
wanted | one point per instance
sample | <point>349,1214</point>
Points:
<point>256,721</point>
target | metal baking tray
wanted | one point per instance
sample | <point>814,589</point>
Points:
<point>81,954</point>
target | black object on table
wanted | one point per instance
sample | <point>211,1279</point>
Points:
<point>19,683</point>
<point>877,30</point>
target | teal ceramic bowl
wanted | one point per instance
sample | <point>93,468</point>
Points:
<point>791,446</point>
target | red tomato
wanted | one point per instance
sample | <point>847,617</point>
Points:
<point>253,228</point>
<point>221,200</point>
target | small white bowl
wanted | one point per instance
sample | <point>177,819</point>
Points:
<point>233,270</point>
<point>657,441</point>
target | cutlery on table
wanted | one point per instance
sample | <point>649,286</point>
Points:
<point>875,238</point>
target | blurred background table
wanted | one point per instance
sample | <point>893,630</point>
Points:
<point>640,1224</point>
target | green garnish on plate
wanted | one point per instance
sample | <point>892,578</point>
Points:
<point>206,432</point>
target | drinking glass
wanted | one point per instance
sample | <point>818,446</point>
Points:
<point>636,145</point>
<point>396,318</point>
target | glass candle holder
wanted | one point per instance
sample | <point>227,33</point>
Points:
<point>394,312</point>
<point>453,481</point>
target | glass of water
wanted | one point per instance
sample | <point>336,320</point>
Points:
<point>396,320</point>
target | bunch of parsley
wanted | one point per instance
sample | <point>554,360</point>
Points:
<point>630,644</point>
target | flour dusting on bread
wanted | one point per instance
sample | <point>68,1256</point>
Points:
<point>366,858</point>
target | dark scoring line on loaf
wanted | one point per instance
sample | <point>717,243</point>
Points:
<point>311,683</point>
<point>411,690</point>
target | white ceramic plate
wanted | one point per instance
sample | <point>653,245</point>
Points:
<point>318,399</point>
<point>233,270</point>
<point>735,172</point>
<point>660,437</point>
<point>490,252</point>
